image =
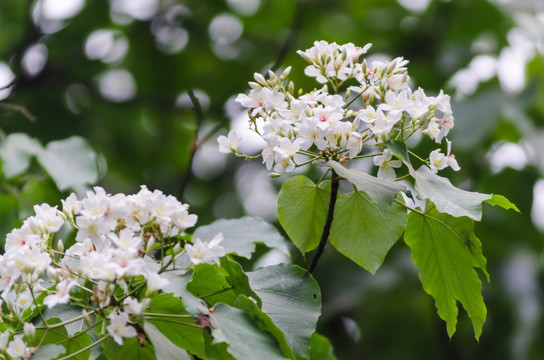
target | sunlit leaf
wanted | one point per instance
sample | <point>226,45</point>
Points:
<point>321,348</point>
<point>499,200</point>
<point>209,284</point>
<point>302,210</point>
<point>446,252</point>
<point>362,232</point>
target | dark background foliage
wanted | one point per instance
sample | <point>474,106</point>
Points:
<point>148,134</point>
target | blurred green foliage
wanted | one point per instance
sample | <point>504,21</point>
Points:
<point>149,139</point>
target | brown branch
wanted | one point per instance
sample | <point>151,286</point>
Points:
<point>194,145</point>
<point>24,111</point>
<point>328,223</point>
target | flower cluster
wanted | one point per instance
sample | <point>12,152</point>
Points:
<point>117,238</point>
<point>376,105</point>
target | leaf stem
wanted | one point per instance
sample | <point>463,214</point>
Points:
<point>328,222</point>
<point>82,350</point>
<point>216,292</point>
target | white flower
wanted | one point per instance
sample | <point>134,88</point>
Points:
<point>35,260</point>
<point>287,148</point>
<point>62,295</point>
<point>95,203</point>
<point>133,306</point>
<point>17,349</point>
<point>268,157</point>
<point>47,219</point>
<point>355,144</point>
<point>21,237</point>
<point>439,161</point>
<point>23,301</point>
<point>118,327</point>
<point>71,206</point>
<point>229,144</point>
<point>155,282</point>
<point>206,252</point>
<point>386,165</point>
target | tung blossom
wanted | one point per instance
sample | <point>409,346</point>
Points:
<point>119,328</point>
<point>206,252</point>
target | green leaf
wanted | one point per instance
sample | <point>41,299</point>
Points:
<point>181,331</point>
<point>66,312</point>
<point>49,352</point>
<point>302,210</point>
<point>59,335</point>
<point>238,279</point>
<point>245,340</point>
<point>446,252</point>
<point>130,349</point>
<point>362,232</point>
<point>292,299</point>
<point>446,197</point>
<point>263,321</point>
<point>241,235</point>
<point>321,348</point>
<point>16,153</point>
<point>399,148</point>
<point>164,348</point>
<point>216,350</point>
<point>71,163</point>
<point>382,192</point>
<point>210,285</point>
<point>499,200</point>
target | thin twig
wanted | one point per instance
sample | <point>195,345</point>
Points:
<point>24,111</point>
<point>193,147</point>
<point>328,222</point>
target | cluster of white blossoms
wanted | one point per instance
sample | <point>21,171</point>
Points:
<point>377,105</point>
<point>117,238</point>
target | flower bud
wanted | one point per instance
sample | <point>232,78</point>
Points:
<point>255,86</point>
<point>150,244</point>
<point>177,248</point>
<point>60,246</point>
<point>272,75</point>
<point>29,330</point>
<point>260,79</point>
<point>274,174</point>
<point>285,73</point>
